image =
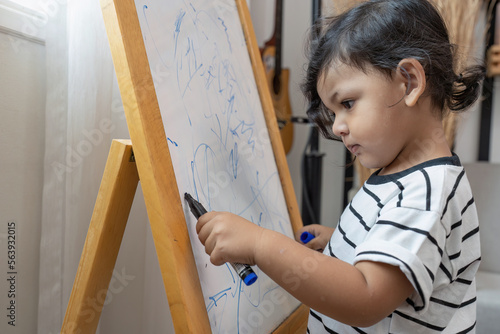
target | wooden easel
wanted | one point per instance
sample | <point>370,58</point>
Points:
<point>151,163</point>
<point>104,237</point>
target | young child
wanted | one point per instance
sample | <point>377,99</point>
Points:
<point>406,249</point>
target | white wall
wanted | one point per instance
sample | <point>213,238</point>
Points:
<point>22,125</point>
<point>468,131</point>
<point>37,5</point>
<point>495,127</point>
<point>467,137</point>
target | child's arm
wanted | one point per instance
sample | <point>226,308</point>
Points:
<point>359,295</point>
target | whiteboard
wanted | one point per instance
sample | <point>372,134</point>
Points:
<point>219,145</point>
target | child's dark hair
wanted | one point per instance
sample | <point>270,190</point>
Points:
<point>381,33</point>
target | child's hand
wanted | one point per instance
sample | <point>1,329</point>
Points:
<point>228,237</point>
<point>322,235</point>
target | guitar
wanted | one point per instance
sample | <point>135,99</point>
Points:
<point>278,78</point>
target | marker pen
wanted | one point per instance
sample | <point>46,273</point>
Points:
<point>245,272</point>
<point>305,237</point>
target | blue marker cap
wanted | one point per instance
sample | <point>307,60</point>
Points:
<point>250,278</point>
<point>245,272</point>
<point>305,237</point>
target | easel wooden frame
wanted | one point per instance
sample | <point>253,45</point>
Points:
<point>151,163</point>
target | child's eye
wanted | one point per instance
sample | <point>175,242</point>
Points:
<point>332,117</point>
<point>347,104</point>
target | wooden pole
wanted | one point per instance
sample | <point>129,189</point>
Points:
<point>111,211</point>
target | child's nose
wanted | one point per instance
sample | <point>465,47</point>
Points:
<point>340,127</point>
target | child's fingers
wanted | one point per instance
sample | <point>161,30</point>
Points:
<point>308,228</point>
<point>216,257</point>
<point>228,237</point>
<point>204,219</point>
<point>211,250</point>
<point>207,235</point>
<point>204,226</point>
<point>322,235</point>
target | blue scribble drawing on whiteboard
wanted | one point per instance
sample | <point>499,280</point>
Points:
<point>219,145</point>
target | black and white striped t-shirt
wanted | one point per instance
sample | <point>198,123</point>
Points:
<point>424,221</point>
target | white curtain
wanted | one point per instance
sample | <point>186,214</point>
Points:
<point>83,114</point>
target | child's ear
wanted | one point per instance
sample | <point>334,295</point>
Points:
<point>413,75</point>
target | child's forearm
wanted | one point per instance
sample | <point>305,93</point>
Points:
<point>326,284</point>
<point>358,295</point>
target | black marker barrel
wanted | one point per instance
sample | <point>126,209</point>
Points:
<point>243,270</point>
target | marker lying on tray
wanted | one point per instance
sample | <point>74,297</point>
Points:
<point>245,272</point>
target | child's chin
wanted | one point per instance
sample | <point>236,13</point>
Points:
<point>367,163</point>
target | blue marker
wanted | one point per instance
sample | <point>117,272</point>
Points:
<point>305,237</point>
<point>243,270</point>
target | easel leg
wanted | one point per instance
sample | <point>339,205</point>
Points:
<point>114,200</point>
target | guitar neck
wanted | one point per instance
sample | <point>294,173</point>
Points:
<point>278,28</point>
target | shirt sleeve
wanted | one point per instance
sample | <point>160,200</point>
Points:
<point>411,239</point>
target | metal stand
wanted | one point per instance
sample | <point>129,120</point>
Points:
<point>312,168</point>
<point>312,161</point>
